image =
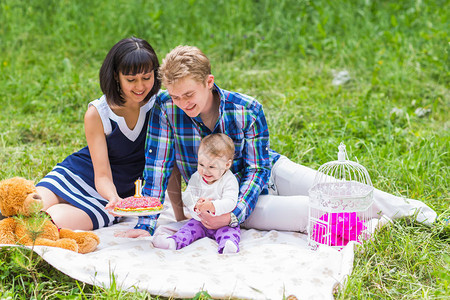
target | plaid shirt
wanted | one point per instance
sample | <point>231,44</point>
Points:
<point>173,135</point>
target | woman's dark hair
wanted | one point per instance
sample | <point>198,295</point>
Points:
<point>129,56</point>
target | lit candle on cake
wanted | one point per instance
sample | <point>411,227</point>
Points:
<point>138,186</point>
<point>138,205</point>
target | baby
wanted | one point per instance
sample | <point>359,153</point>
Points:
<point>212,189</point>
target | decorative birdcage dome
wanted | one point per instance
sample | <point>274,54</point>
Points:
<point>339,199</point>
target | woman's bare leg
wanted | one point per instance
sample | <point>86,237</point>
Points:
<point>62,213</point>
<point>48,197</point>
<point>68,216</point>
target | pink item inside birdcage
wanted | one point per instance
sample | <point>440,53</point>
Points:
<point>338,229</point>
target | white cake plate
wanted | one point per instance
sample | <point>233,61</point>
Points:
<point>139,214</point>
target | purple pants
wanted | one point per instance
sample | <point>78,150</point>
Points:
<point>194,230</point>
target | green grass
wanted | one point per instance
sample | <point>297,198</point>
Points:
<point>283,53</point>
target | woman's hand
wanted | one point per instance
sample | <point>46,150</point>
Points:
<point>111,205</point>
<point>214,222</point>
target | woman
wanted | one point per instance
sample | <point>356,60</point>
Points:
<point>79,191</point>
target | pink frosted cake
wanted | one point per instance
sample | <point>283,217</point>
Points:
<point>133,205</point>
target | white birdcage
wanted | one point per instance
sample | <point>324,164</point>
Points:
<point>339,203</point>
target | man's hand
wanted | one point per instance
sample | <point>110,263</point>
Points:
<point>214,222</point>
<point>132,233</point>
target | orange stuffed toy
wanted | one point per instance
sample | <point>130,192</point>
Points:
<point>21,206</point>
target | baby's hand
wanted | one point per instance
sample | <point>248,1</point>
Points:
<point>199,202</point>
<point>204,205</point>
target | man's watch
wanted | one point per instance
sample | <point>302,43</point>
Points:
<point>234,221</point>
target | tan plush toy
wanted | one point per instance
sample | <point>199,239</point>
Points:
<point>20,204</point>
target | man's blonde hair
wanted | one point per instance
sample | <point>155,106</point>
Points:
<point>184,61</point>
<point>218,145</point>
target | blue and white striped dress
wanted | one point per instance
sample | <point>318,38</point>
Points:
<point>73,179</point>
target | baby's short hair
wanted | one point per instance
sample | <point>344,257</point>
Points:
<point>218,145</point>
<point>184,61</point>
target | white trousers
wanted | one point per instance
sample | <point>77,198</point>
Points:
<point>286,207</point>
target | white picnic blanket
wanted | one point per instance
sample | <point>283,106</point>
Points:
<point>270,265</point>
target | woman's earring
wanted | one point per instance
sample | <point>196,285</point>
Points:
<point>118,86</point>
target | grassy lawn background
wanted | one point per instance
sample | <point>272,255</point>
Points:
<point>284,53</point>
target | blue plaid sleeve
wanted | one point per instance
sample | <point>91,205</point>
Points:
<point>159,160</point>
<point>159,154</point>
<point>257,165</point>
